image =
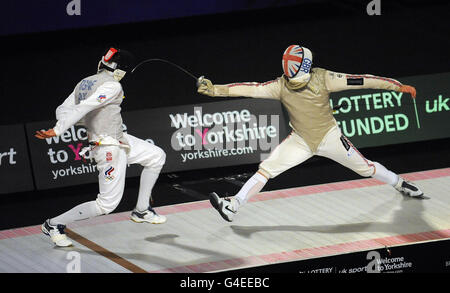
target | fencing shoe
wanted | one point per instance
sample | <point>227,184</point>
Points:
<point>226,207</point>
<point>148,216</point>
<point>56,233</point>
<point>408,188</point>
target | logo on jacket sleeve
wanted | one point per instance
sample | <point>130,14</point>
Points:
<point>108,173</point>
<point>101,98</point>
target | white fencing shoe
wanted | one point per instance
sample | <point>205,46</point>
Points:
<point>224,206</point>
<point>408,188</point>
<point>148,216</point>
<point>56,233</point>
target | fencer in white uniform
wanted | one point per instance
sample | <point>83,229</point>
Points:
<point>95,103</point>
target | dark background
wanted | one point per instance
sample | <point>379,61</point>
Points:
<point>40,70</point>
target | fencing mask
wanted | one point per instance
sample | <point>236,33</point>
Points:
<point>296,64</point>
<point>117,61</point>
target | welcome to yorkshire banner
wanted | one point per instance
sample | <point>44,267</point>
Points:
<point>208,135</point>
<point>226,133</point>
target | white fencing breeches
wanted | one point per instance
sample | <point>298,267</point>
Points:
<point>112,163</point>
<point>294,150</point>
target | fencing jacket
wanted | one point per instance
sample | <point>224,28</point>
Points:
<point>309,108</point>
<point>94,103</point>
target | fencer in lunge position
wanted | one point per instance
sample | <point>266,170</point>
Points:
<point>304,91</point>
<point>95,103</point>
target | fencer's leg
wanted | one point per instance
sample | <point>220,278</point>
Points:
<point>384,175</point>
<point>55,227</point>
<point>290,152</point>
<point>339,148</point>
<point>147,181</point>
<point>111,165</point>
<point>406,187</point>
<point>143,211</point>
<point>80,212</point>
<point>228,207</point>
<point>153,159</point>
<point>252,187</point>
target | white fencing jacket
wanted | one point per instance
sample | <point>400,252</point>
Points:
<point>95,104</point>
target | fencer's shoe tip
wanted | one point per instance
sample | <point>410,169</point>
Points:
<point>223,206</point>
<point>148,216</point>
<point>408,188</point>
<point>56,233</point>
<point>214,199</point>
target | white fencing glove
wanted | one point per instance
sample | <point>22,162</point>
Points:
<point>205,87</point>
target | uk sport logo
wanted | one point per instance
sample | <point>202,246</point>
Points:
<point>108,173</point>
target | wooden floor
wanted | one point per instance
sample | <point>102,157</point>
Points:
<point>276,226</point>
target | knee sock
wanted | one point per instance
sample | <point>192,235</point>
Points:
<point>250,188</point>
<point>384,175</point>
<point>83,211</point>
<point>148,180</point>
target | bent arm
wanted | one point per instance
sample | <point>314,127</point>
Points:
<point>69,113</point>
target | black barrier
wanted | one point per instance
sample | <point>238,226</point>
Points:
<point>209,135</point>
<point>232,132</point>
<point>15,171</point>
<point>424,257</point>
<point>242,131</point>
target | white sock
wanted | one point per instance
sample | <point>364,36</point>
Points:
<point>80,212</point>
<point>250,188</point>
<point>148,180</point>
<point>384,175</point>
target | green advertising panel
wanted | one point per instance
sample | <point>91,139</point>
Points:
<point>378,117</point>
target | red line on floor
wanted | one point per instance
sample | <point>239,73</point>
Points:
<point>307,253</point>
<point>269,195</point>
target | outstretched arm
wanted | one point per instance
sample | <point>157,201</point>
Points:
<point>336,82</point>
<point>266,90</point>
